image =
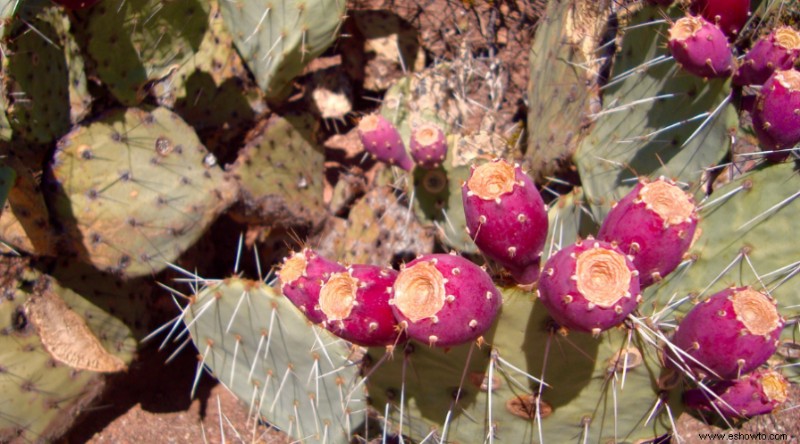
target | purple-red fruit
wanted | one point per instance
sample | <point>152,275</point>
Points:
<point>654,224</point>
<point>776,52</point>
<point>589,286</point>
<point>776,115</point>
<point>76,4</point>
<point>729,15</point>
<point>758,393</point>
<point>444,300</point>
<point>301,277</point>
<point>729,335</point>
<point>506,217</point>
<point>428,145</point>
<point>381,139</point>
<point>700,48</point>
<point>355,304</point>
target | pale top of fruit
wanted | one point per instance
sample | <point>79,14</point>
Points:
<point>670,202</point>
<point>603,276</point>
<point>790,79</point>
<point>788,38</point>
<point>685,28</point>
<point>338,296</point>
<point>419,291</point>
<point>775,386</point>
<point>370,123</point>
<point>426,134</point>
<point>756,311</point>
<point>293,269</point>
<point>491,180</point>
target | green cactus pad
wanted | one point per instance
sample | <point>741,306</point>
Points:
<point>134,190</point>
<point>569,218</point>
<point>743,241</point>
<point>296,376</point>
<point>585,402</point>
<point>651,110</point>
<point>40,392</point>
<point>135,43</point>
<point>280,173</point>
<point>36,81</point>
<point>565,66</point>
<point>277,40</point>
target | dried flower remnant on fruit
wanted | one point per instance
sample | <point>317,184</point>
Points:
<point>337,297</point>
<point>419,291</point>
<point>293,268</point>
<point>685,28</point>
<point>603,276</point>
<point>668,201</point>
<point>775,386</point>
<point>491,180</point>
<point>757,313</point>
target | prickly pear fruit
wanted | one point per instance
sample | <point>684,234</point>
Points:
<point>301,278</point>
<point>755,394</point>
<point>428,145</point>
<point>700,48</point>
<point>777,51</point>
<point>776,116</point>
<point>76,4</point>
<point>655,224</point>
<point>356,305</point>
<point>729,15</point>
<point>382,139</point>
<point>506,217</point>
<point>589,286</point>
<point>728,335</point>
<point>444,300</point>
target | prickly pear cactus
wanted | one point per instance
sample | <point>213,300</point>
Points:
<point>296,376</point>
<point>656,119</point>
<point>134,190</point>
<point>279,173</point>
<point>135,43</point>
<point>278,40</point>
<point>7,178</point>
<point>471,394</point>
<point>55,347</point>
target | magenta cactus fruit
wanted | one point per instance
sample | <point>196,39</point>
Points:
<point>729,335</point>
<point>301,277</point>
<point>381,139</point>
<point>700,48</point>
<point>776,115</point>
<point>589,286</point>
<point>729,15</point>
<point>757,393</point>
<point>355,304</point>
<point>444,300</point>
<point>777,51</point>
<point>506,217</point>
<point>655,224</point>
<point>428,145</point>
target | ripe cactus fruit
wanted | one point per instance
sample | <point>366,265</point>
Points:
<point>729,15</point>
<point>700,48</point>
<point>444,300</point>
<point>776,115</point>
<point>758,393</point>
<point>589,286</point>
<point>301,278</point>
<point>777,51</point>
<point>506,217</point>
<point>355,304</point>
<point>655,224</point>
<point>381,139</point>
<point>730,334</point>
<point>428,145</point>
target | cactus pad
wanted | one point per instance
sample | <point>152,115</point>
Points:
<point>134,190</point>
<point>296,376</point>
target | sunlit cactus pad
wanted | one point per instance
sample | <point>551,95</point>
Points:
<point>296,376</point>
<point>134,189</point>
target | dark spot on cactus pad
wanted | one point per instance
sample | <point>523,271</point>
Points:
<point>95,239</point>
<point>163,146</point>
<point>116,137</point>
<point>125,176</point>
<point>19,322</point>
<point>27,386</point>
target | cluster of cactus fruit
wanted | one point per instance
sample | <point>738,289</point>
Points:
<point>662,284</point>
